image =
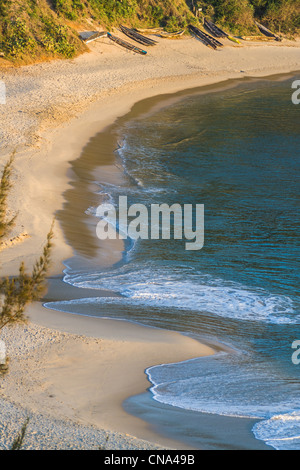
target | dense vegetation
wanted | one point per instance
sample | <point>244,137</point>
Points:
<point>30,29</point>
<point>282,16</point>
<point>37,29</point>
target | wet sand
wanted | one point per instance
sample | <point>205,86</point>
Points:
<point>76,369</point>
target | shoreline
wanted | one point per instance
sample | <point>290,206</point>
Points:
<point>107,170</point>
<point>65,145</point>
<point>64,135</point>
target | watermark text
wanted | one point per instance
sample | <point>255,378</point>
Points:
<point>2,92</point>
<point>296,94</point>
<point>161,221</point>
<point>296,355</point>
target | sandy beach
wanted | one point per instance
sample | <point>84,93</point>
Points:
<point>71,374</point>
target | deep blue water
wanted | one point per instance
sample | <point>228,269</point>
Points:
<point>237,151</point>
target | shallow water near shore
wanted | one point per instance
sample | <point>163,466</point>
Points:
<point>237,152</point>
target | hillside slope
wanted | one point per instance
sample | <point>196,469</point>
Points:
<point>35,30</point>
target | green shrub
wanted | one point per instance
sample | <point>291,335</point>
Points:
<point>239,15</point>
<point>56,39</point>
<point>283,15</point>
<point>4,7</point>
<point>16,39</point>
<point>70,9</point>
<point>28,28</point>
<point>113,11</point>
<point>236,15</point>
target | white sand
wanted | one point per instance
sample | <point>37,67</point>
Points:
<point>54,108</point>
<point>85,374</point>
<point>72,373</point>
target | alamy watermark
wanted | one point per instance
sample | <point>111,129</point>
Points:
<point>296,94</point>
<point>2,92</point>
<point>296,354</point>
<point>296,344</point>
<point>161,221</point>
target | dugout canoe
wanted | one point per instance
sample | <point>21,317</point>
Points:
<point>166,35</point>
<point>267,32</point>
<point>205,38</point>
<point>132,34</point>
<point>214,30</point>
<point>256,38</point>
<point>126,45</point>
<point>218,32</point>
<point>149,30</point>
<point>89,36</point>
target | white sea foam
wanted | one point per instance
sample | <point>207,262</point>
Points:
<point>281,431</point>
<point>217,384</point>
<point>163,287</point>
<point>213,386</point>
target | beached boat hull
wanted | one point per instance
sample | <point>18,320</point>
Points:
<point>89,36</point>
<point>218,32</point>
<point>205,38</point>
<point>132,34</point>
<point>165,35</point>
<point>126,45</point>
<point>161,33</point>
<point>233,39</point>
<point>149,30</point>
<point>267,32</point>
<point>257,38</point>
<point>214,30</point>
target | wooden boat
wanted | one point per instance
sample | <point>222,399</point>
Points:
<point>214,30</point>
<point>89,36</point>
<point>233,39</point>
<point>149,30</point>
<point>256,38</point>
<point>132,34</point>
<point>125,44</point>
<point>161,32</point>
<point>267,32</point>
<point>218,32</point>
<point>205,38</point>
<point>166,35</point>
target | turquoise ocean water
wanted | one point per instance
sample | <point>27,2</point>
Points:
<point>237,151</point>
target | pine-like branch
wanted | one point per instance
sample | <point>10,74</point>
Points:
<point>20,291</point>
<point>5,185</point>
<point>18,442</point>
<point>17,292</point>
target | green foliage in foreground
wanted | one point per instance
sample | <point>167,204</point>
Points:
<point>19,291</point>
<point>18,442</point>
<point>6,223</point>
<point>24,289</point>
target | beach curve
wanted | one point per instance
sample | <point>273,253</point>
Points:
<point>52,163</point>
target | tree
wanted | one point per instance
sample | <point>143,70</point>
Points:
<point>19,291</point>
<point>5,186</point>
